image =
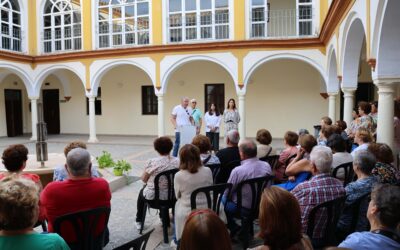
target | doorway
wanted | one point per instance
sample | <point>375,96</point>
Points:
<point>13,100</point>
<point>51,110</point>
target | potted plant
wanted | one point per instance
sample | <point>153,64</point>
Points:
<point>121,166</point>
<point>105,160</point>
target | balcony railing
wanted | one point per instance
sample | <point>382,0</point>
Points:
<point>287,23</point>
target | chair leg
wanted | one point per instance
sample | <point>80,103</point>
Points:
<point>244,233</point>
<point>143,217</point>
<point>164,215</point>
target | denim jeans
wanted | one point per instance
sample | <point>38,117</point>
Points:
<point>176,144</point>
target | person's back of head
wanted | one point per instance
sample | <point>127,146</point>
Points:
<point>321,157</point>
<point>72,145</point>
<point>336,143</point>
<point>205,230</point>
<point>233,138</point>
<point>291,138</point>
<point>326,121</point>
<point>78,162</point>
<point>163,145</point>
<point>19,203</point>
<point>308,142</point>
<point>14,157</point>
<point>247,149</point>
<point>385,205</point>
<point>364,161</point>
<point>382,152</point>
<point>327,131</point>
<point>264,137</point>
<point>202,142</point>
<point>341,124</point>
<point>303,131</point>
<point>189,158</point>
<point>364,135</point>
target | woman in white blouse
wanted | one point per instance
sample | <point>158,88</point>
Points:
<point>212,120</point>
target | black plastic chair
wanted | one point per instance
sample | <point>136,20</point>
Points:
<point>137,244</point>
<point>84,225</point>
<point>214,169</point>
<point>42,223</point>
<point>272,160</point>
<point>213,195</point>
<point>290,159</point>
<point>348,172</point>
<point>225,171</point>
<point>333,210</point>
<point>359,209</point>
<point>248,215</point>
<point>162,205</point>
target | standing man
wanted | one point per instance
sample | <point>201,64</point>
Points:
<point>196,114</point>
<point>181,116</point>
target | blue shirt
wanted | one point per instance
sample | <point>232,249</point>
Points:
<point>368,240</point>
<point>60,173</point>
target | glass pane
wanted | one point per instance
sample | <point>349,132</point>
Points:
<point>57,20</point>
<point>6,43</point>
<point>117,26</point>
<point>68,44</point>
<point>129,11</point>
<point>257,2</point>
<point>191,19</point>
<point>258,30</point>
<point>103,2</point>
<point>205,4</point>
<point>221,3</point>
<point>16,18</point>
<point>116,12</point>
<point>14,5</point>
<point>16,32</point>
<point>77,17</point>
<point>143,38</point>
<point>103,27</point>
<point>77,30</point>
<point>103,13</point>
<point>205,18</point>
<point>305,28</point>
<point>175,20</point>
<point>305,12</point>
<point>305,1</point>
<point>77,43</point>
<point>175,5</point>
<point>4,29</point>
<point>222,32</point>
<point>16,46</point>
<point>103,41</point>
<point>57,32</point>
<point>190,5</point>
<point>191,33</point>
<point>47,21</point>
<point>258,14</point>
<point>67,19</point>
<point>47,34</point>
<point>67,31</point>
<point>142,9</point>
<point>57,45</point>
<point>129,25</point>
<point>175,35</point>
<point>143,23</point>
<point>130,38</point>
<point>117,39</point>
<point>222,16</point>
<point>4,16</point>
<point>206,32</point>
<point>47,46</point>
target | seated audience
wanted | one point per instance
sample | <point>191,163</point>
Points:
<point>326,131</point>
<point>163,146</point>
<point>60,173</point>
<point>384,217</point>
<point>352,128</point>
<point>325,121</point>
<point>280,221</point>
<point>363,164</point>
<point>342,126</point>
<point>290,141</point>
<point>300,168</point>
<point>340,155</point>
<point>79,192</point>
<point>191,176</point>
<point>19,210</point>
<point>205,230</point>
<point>364,120</point>
<point>363,138</point>
<point>320,188</point>
<point>203,143</point>
<point>384,169</point>
<point>303,131</point>
<point>264,139</point>
<point>251,167</point>
<point>228,155</point>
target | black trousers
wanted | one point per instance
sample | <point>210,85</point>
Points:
<point>140,206</point>
<point>214,139</point>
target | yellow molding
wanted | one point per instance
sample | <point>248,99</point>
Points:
<point>156,22</point>
<point>239,20</point>
<point>323,12</point>
<point>87,63</point>
<point>87,24</point>
<point>32,28</point>
<point>157,59</point>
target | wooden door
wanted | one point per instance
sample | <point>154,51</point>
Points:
<point>51,110</point>
<point>13,101</point>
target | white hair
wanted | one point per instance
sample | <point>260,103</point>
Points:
<point>321,157</point>
<point>78,161</point>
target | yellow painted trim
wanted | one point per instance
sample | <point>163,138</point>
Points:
<point>157,59</point>
<point>87,63</point>
<point>87,24</point>
<point>239,20</point>
<point>240,54</point>
<point>368,40</point>
<point>323,11</point>
<point>156,22</point>
<point>32,28</point>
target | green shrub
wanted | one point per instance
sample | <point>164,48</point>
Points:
<point>105,160</point>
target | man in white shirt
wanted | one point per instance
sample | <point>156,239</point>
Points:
<point>181,116</point>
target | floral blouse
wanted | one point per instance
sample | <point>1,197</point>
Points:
<point>386,173</point>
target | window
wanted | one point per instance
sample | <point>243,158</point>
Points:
<point>149,101</point>
<point>190,20</point>
<point>97,103</point>
<point>214,93</point>
<point>305,17</point>
<point>62,29</point>
<point>123,22</point>
<point>259,20</point>
<point>10,25</point>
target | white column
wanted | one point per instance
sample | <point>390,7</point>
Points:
<point>348,94</point>
<point>385,129</point>
<point>161,127</point>
<point>332,106</point>
<point>34,113</point>
<point>242,113</point>
<point>92,120</point>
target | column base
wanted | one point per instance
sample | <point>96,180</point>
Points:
<point>93,140</point>
<point>33,138</point>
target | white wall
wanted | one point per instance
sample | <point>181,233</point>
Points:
<point>284,95</point>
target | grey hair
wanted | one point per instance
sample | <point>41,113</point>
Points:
<point>233,136</point>
<point>248,148</point>
<point>365,161</point>
<point>321,157</point>
<point>78,161</point>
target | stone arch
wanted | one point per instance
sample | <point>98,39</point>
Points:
<point>14,69</point>
<point>333,81</point>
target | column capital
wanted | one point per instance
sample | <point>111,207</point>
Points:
<point>91,97</point>
<point>160,95</point>
<point>385,88</point>
<point>33,98</point>
<point>385,81</point>
<point>333,94</point>
<point>241,95</point>
<point>348,91</point>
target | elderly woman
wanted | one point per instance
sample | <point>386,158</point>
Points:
<point>264,148</point>
<point>280,221</point>
<point>163,146</point>
<point>363,138</point>
<point>384,217</point>
<point>365,120</point>
<point>19,209</point>
<point>290,141</point>
<point>191,176</point>
<point>204,145</point>
<point>384,169</point>
<point>363,164</point>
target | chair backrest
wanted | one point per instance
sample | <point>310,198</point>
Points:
<point>85,227</point>
<point>272,160</point>
<point>333,210</point>
<point>359,220</point>
<point>213,195</point>
<point>168,176</point>
<point>214,169</point>
<point>256,187</point>
<point>348,172</point>
<point>137,244</point>
<point>225,171</point>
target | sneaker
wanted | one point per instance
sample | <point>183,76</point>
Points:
<point>138,225</point>
<point>173,244</point>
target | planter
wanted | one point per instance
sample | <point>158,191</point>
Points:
<point>118,172</point>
